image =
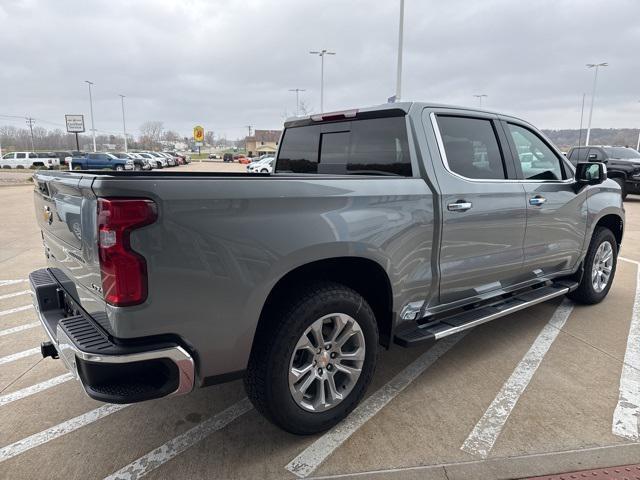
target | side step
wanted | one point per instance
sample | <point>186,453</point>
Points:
<point>411,333</point>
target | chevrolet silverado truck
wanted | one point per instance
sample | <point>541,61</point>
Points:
<point>395,225</point>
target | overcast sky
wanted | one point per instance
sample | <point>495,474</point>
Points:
<point>226,64</point>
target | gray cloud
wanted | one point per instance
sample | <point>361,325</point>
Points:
<point>227,64</point>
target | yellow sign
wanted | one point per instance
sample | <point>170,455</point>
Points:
<point>198,133</point>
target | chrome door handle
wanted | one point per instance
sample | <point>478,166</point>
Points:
<point>537,201</point>
<point>459,206</point>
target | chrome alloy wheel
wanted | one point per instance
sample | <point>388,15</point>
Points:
<point>602,266</point>
<point>326,362</point>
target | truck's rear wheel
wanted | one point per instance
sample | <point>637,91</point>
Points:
<point>313,365</point>
<point>599,268</point>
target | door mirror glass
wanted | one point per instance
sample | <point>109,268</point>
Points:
<point>592,173</point>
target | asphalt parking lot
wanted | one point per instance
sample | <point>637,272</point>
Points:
<point>551,389</point>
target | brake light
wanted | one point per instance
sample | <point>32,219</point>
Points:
<point>123,271</point>
<point>327,117</point>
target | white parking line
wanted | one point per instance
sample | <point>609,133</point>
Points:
<point>15,294</point>
<point>484,435</point>
<point>57,431</point>
<point>161,455</point>
<point>19,328</point>
<point>626,416</point>
<point>17,356</point>
<point>38,387</point>
<point>316,453</point>
<point>4,283</point>
<point>628,260</point>
<point>15,310</point>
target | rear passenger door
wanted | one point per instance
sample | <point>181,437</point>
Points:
<point>556,214</point>
<point>483,205</point>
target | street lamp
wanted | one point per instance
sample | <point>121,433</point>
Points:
<point>479,97</point>
<point>297,90</point>
<point>400,35</point>
<point>638,145</point>
<point>321,54</point>
<point>93,128</point>
<point>124,125</point>
<point>593,95</point>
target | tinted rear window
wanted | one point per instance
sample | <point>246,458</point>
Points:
<point>377,146</point>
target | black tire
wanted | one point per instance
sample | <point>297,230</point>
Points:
<point>266,379</point>
<point>586,293</point>
<point>623,188</point>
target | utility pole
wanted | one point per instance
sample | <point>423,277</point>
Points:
<point>297,90</point>
<point>124,125</point>
<point>638,145</point>
<point>479,97</point>
<point>31,122</point>
<point>246,146</point>
<point>593,95</point>
<point>400,36</point>
<point>322,54</point>
<point>581,116</point>
<point>93,128</point>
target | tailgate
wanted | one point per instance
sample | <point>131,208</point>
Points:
<point>65,209</point>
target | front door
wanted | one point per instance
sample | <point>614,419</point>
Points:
<point>556,214</point>
<point>483,207</point>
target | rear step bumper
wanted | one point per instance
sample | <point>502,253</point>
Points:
<point>109,372</point>
<point>412,333</point>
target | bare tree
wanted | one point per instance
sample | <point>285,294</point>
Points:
<point>171,136</point>
<point>209,138</point>
<point>304,108</point>
<point>151,133</point>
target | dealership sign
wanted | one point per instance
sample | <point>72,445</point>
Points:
<point>75,123</point>
<point>198,133</point>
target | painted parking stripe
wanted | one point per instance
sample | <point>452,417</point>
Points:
<point>484,435</point>
<point>161,455</point>
<point>15,310</point>
<point>57,431</point>
<point>626,416</point>
<point>33,389</point>
<point>17,356</point>
<point>15,294</point>
<point>19,328</point>
<point>628,260</point>
<point>316,453</point>
<point>4,283</point>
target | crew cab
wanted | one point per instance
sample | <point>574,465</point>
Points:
<point>623,164</point>
<point>29,160</point>
<point>100,161</point>
<point>393,226</point>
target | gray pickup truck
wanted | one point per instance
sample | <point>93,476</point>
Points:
<point>393,225</point>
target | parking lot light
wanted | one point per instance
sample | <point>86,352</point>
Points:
<point>593,95</point>
<point>638,145</point>
<point>93,127</point>
<point>321,54</point>
<point>124,125</point>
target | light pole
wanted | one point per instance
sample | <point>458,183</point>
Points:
<point>321,54</point>
<point>93,128</point>
<point>124,125</point>
<point>581,117</point>
<point>297,90</point>
<point>593,95</point>
<point>479,97</point>
<point>638,145</point>
<point>400,35</point>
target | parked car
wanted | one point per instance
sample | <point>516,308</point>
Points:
<point>138,163</point>
<point>227,157</point>
<point>263,166</point>
<point>178,159</point>
<point>242,159</point>
<point>623,164</point>
<point>213,156</point>
<point>171,160</point>
<point>147,164</point>
<point>28,160</point>
<point>101,161</point>
<point>153,161</point>
<point>427,225</point>
<point>163,160</point>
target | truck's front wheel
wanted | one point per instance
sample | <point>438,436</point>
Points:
<point>599,268</point>
<point>315,362</point>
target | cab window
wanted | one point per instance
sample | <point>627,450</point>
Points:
<point>537,160</point>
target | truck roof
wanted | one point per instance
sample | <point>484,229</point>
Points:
<point>388,107</point>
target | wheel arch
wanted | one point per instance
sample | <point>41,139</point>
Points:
<point>614,223</point>
<point>365,276</point>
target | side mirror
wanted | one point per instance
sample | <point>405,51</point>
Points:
<point>592,173</point>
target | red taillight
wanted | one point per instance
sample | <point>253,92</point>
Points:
<point>123,271</point>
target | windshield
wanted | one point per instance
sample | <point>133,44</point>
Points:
<point>622,153</point>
